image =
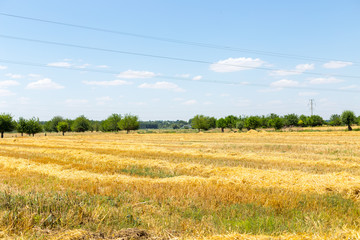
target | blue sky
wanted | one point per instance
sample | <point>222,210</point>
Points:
<point>269,57</point>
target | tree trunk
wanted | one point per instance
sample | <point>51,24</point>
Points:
<point>22,134</point>
<point>2,134</point>
<point>33,134</point>
<point>222,129</point>
<point>349,127</point>
<point>63,133</point>
<point>127,131</point>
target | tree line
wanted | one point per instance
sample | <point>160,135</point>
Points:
<point>201,122</point>
<point>117,122</point>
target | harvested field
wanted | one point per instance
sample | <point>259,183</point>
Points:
<point>257,185</point>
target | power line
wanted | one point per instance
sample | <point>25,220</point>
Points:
<point>245,84</point>
<point>166,57</point>
<point>190,43</point>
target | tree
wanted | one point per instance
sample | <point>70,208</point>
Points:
<point>240,124</point>
<point>231,121</point>
<point>276,123</point>
<point>252,122</point>
<point>21,126</point>
<point>314,120</point>
<point>303,120</point>
<point>221,123</point>
<point>81,124</point>
<point>33,126</point>
<point>291,120</point>
<point>6,124</point>
<point>128,123</point>
<point>212,122</point>
<point>63,127</point>
<point>348,118</point>
<point>111,123</point>
<point>54,123</point>
<point>48,127</point>
<point>335,120</point>
<point>200,122</point>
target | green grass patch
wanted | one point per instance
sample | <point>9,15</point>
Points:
<point>152,172</point>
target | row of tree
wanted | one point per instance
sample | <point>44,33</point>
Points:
<point>128,122</point>
<point>275,121</point>
<point>31,126</point>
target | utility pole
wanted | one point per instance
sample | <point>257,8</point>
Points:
<point>312,103</point>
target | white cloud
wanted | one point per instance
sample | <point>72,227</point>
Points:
<point>162,85</point>
<point>183,75</point>
<point>178,99</point>
<point>13,76</point>
<point>224,95</point>
<point>6,93</point>
<point>85,65</point>
<point>76,101</point>
<point>102,100</point>
<point>190,102</point>
<point>236,64</point>
<point>197,78</point>
<point>328,80</point>
<point>59,64</point>
<point>304,67</point>
<point>107,83</point>
<point>136,74</point>
<point>43,84</point>
<point>3,67</point>
<point>306,94</point>
<point>8,83</point>
<point>299,69</point>
<point>284,83</point>
<point>208,103</point>
<point>354,86</point>
<point>102,66</point>
<point>33,75</point>
<point>337,64</point>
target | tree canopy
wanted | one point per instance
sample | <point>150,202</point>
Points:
<point>128,123</point>
<point>6,123</point>
<point>81,124</point>
<point>348,118</point>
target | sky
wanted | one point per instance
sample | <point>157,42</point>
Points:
<point>170,60</point>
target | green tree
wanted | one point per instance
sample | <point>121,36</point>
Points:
<point>231,121</point>
<point>81,124</point>
<point>314,120</point>
<point>128,123</point>
<point>335,120</point>
<point>240,124</point>
<point>252,122</point>
<point>33,126</point>
<point>200,122</point>
<point>63,127</point>
<point>111,123</point>
<point>221,123</point>
<point>21,126</point>
<point>348,118</point>
<point>212,122</point>
<point>48,127</point>
<point>54,123</point>
<point>291,120</point>
<point>277,123</point>
<point>303,120</point>
<point>6,124</point>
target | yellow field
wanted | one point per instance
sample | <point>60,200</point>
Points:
<point>254,185</point>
